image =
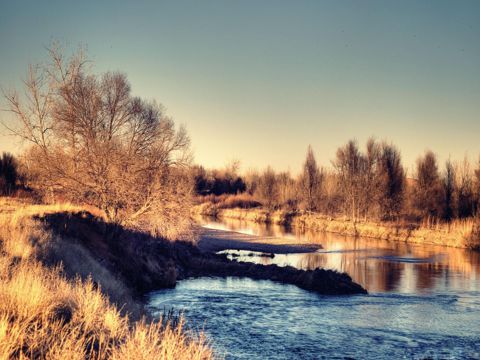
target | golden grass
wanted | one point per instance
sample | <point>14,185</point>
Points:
<point>458,233</point>
<point>229,201</point>
<point>45,315</point>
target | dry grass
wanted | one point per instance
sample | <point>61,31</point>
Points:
<point>467,231</point>
<point>45,315</point>
<point>228,201</point>
<point>458,233</point>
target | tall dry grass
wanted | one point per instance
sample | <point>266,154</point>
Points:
<point>45,315</point>
<point>229,201</point>
<point>467,231</point>
<point>461,233</point>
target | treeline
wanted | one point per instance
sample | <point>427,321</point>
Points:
<point>9,174</point>
<point>218,182</point>
<point>369,183</point>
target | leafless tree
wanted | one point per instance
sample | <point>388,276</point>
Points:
<point>332,203</point>
<point>391,181</point>
<point>428,188</point>
<point>369,178</point>
<point>252,179</point>
<point>348,163</point>
<point>476,188</point>
<point>449,190</point>
<point>358,177</point>
<point>92,141</point>
<point>267,189</point>
<point>311,182</point>
<point>287,190</point>
<point>465,199</point>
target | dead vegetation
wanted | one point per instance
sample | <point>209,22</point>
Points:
<point>48,312</point>
<point>225,201</point>
<point>461,233</point>
<point>93,142</point>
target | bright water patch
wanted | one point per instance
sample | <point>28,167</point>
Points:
<point>378,265</point>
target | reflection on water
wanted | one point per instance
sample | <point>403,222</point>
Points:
<point>378,265</point>
<point>424,303</point>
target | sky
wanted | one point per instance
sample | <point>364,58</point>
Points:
<point>258,81</point>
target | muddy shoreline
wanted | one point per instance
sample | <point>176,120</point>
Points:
<point>213,240</point>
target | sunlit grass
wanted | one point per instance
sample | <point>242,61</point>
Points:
<point>45,315</point>
<point>463,233</point>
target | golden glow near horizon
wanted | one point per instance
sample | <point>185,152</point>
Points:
<point>260,82</point>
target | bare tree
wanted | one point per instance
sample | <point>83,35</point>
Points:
<point>267,189</point>
<point>311,182</point>
<point>358,177</point>
<point>349,163</point>
<point>92,141</point>
<point>252,179</point>
<point>449,188</point>
<point>428,188</point>
<point>287,190</point>
<point>369,178</point>
<point>476,188</point>
<point>465,199</point>
<point>391,181</point>
<point>332,203</point>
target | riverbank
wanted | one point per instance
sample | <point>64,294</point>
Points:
<point>82,280</point>
<point>460,234</point>
<point>59,300</point>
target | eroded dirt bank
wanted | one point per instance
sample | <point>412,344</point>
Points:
<point>145,263</point>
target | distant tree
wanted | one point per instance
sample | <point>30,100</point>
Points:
<point>391,181</point>
<point>252,179</point>
<point>287,190</point>
<point>238,186</point>
<point>449,191</point>
<point>358,178</point>
<point>267,189</point>
<point>232,168</point>
<point>476,188</point>
<point>202,185</point>
<point>8,174</point>
<point>220,185</point>
<point>332,203</point>
<point>218,181</point>
<point>428,188</point>
<point>311,182</point>
<point>369,178</point>
<point>465,190</point>
<point>93,142</point>
<point>349,163</point>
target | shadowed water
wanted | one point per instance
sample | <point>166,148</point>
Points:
<point>424,302</point>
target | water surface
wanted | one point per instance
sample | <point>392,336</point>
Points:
<point>424,302</point>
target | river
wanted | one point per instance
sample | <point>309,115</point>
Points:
<point>423,302</point>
